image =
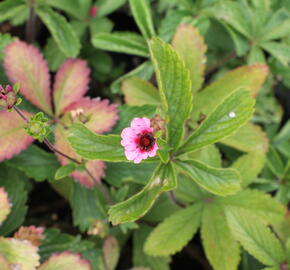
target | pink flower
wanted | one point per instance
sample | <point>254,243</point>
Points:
<point>138,140</point>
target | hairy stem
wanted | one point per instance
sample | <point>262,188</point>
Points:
<point>53,149</point>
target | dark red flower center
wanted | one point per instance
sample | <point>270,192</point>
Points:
<point>146,141</point>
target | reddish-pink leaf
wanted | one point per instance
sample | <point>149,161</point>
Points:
<point>71,83</point>
<point>98,115</point>
<point>96,168</point>
<point>13,138</point>
<point>65,261</point>
<point>24,64</point>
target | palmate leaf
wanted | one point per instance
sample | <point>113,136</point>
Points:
<point>61,31</point>
<point>122,42</point>
<point>255,236</point>
<point>142,15</point>
<point>229,116</point>
<point>71,83</point>
<point>163,179</point>
<point>174,88</point>
<point>218,181</point>
<point>24,64</point>
<point>65,260</point>
<point>190,45</point>
<point>221,249</point>
<point>174,232</point>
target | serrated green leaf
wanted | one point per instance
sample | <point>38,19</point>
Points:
<point>174,232</point>
<point>277,26</point>
<point>227,118</point>
<point>139,92</point>
<point>249,78</point>
<point>174,87</point>
<point>122,42</point>
<point>77,8</point>
<point>255,237</point>
<point>9,8</point>
<point>118,173</point>
<point>61,31</point>
<point>14,183</point>
<point>218,181</point>
<point>106,7</point>
<point>250,138</point>
<point>93,146</point>
<point>64,171</point>
<point>163,178</point>
<point>142,15</point>
<point>216,238</point>
<point>265,207</point>
<point>87,206</point>
<point>278,50</point>
<point>35,163</point>
<point>249,166</point>
<point>190,45</point>
<point>275,162</point>
<point>53,55</point>
<point>140,258</point>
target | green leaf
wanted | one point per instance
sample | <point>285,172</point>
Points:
<point>275,162</point>
<point>77,8</point>
<point>87,206</point>
<point>64,171</point>
<point>250,165</point>
<point>118,173</point>
<point>218,181</point>
<point>53,55</point>
<point>106,7</point>
<point>262,205</point>
<point>250,138</point>
<point>174,232</point>
<point>255,237</point>
<point>9,8</point>
<point>122,42</point>
<point>216,238</point>
<point>175,88</point>
<point>111,251</point>
<point>229,116</point>
<point>139,204</point>
<point>35,163</point>
<point>4,205</point>
<point>13,182</point>
<point>256,55</point>
<point>278,26</point>
<point>100,25</point>
<point>249,78</point>
<point>61,31</point>
<point>93,146</point>
<point>5,39</point>
<point>140,258</point>
<point>190,45</point>
<point>139,92</point>
<point>142,15</point>
<point>280,51</point>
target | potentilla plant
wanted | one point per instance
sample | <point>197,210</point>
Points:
<point>25,65</point>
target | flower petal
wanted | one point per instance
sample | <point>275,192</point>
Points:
<point>66,260</point>
<point>102,116</point>
<point>95,167</point>
<point>140,124</point>
<point>24,64</point>
<point>71,83</point>
<point>13,138</point>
